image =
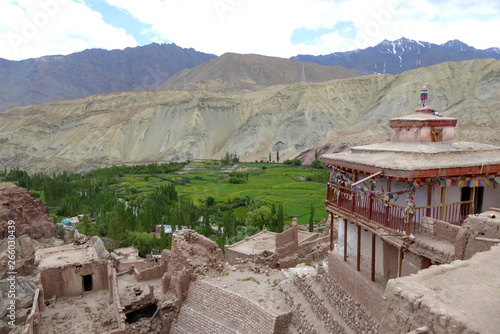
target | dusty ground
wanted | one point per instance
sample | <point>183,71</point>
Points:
<point>72,314</point>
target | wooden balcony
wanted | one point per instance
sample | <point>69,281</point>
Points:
<point>391,216</point>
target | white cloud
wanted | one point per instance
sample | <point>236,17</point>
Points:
<point>246,26</point>
<point>37,28</point>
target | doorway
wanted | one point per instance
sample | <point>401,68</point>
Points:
<point>476,194</point>
<point>87,282</point>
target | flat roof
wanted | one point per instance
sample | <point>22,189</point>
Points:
<point>56,257</point>
<point>419,116</point>
<point>467,291</point>
<point>256,244</point>
<point>411,156</point>
<point>264,241</point>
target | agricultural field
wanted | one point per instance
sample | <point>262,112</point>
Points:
<point>276,183</point>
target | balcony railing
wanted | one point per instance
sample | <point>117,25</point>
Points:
<point>391,216</point>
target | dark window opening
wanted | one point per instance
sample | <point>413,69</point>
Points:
<point>145,312</point>
<point>466,195</point>
<point>478,199</point>
<point>87,282</point>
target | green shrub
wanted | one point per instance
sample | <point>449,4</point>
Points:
<point>317,164</point>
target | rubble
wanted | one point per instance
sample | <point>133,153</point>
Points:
<point>29,214</point>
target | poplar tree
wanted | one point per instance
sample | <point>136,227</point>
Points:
<point>311,217</point>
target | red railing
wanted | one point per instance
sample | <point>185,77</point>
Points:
<point>392,216</point>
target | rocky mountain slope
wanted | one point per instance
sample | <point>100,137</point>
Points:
<point>30,217</point>
<point>50,78</point>
<point>252,72</point>
<point>400,55</point>
<point>145,126</point>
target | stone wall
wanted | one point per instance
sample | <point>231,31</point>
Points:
<point>354,286</point>
<point>238,313</point>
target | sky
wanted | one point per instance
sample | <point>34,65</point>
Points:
<point>281,28</point>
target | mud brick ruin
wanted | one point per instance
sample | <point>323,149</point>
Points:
<point>411,247</point>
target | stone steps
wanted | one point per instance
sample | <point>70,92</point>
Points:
<point>304,319</point>
<point>350,313</point>
<point>331,321</point>
<point>324,306</point>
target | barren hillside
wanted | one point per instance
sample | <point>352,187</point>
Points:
<point>144,126</point>
<point>251,72</point>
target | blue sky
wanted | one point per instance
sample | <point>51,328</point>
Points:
<point>282,28</point>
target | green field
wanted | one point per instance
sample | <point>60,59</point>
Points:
<point>276,183</point>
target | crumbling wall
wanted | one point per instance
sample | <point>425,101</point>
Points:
<point>309,251</point>
<point>149,273</point>
<point>180,282</point>
<point>193,250</point>
<point>475,228</point>
<point>34,317</point>
<point>115,300</point>
<point>192,255</point>
<point>411,264</point>
<point>67,281</point>
<point>359,289</point>
<point>287,242</point>
<point>234,257</point>
<point>439,229</point>
<point>140,264</point>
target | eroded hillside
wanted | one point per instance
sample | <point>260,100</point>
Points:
<point>145,126</point>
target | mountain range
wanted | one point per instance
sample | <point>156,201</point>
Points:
<point>52,78</point>
<point>294,119</point>
<point>394,57</point>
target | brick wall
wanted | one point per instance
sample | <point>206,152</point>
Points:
<point>237,312</point>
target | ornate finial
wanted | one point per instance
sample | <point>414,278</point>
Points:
<point>423,95</point>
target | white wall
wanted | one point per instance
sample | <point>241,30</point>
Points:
<point>491,197</point>
<point>366,246</point>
